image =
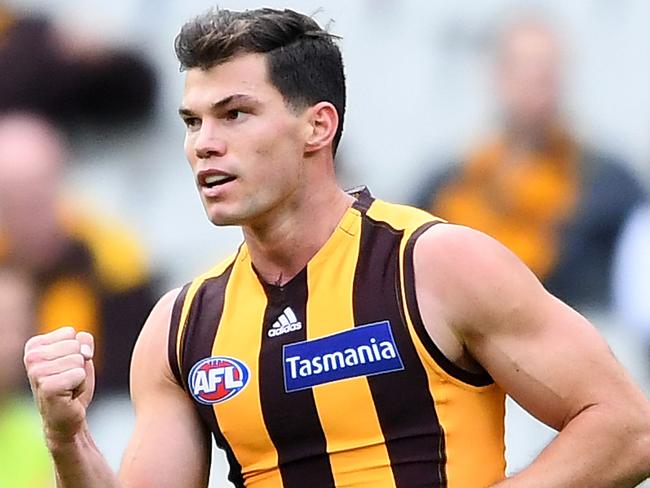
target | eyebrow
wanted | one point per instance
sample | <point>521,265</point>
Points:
<point>237,97</point>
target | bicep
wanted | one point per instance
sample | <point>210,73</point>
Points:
<point>550,360</point>
<point>169,446</point>
<point>544,354</point>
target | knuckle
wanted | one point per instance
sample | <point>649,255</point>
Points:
<point>66,331</point>
<point>32,357</point>
<point>36,372</point>
<point>41,383</point>
<point>33,342</point>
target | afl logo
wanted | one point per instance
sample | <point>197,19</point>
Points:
<point>217,379</point>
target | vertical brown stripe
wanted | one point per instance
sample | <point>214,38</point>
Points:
<point>405,408</point>
<point>469,377</point>
<point>203,322</point>
<point>363,198</point>
<point>173,333</point>
<point>291,418</point>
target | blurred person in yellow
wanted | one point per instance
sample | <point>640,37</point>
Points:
<point>88,269</point>
<point>24,459</point>
<point>555,202</point>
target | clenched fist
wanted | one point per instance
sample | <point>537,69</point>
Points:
<point>60,370</point>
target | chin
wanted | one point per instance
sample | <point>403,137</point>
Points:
<point>221,217</point>
<point>235,215</point>
<point>223,220</point>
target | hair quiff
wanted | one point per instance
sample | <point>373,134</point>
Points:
<point>304,63</point>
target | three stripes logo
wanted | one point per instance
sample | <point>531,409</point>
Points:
<point>286,322</point>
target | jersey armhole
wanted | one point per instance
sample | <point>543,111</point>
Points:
<point>476,379</point>
<point>175,328</point>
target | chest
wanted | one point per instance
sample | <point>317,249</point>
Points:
<point>287,364</point>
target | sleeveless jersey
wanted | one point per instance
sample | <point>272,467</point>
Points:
<point>332,380</point>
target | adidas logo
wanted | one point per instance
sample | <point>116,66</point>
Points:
<point>286,322</point>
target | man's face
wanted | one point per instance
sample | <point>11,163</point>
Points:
<point>529,77</point>
<point>31,165</point>
<point>245,146</point>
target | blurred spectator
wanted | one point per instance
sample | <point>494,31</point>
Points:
<point>69,78</point>
<point>24,459</point>
<point>555,202</point>
<point>89,271</point>
<point>632,272</point>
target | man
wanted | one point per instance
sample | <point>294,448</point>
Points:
<point>348,341</point>
<point>553,200</point>
<point>87,270</point>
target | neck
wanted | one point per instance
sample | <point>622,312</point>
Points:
<point>41,254</point>
<point>282,245</point>
<point>532,137</point>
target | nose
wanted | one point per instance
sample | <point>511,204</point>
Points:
<point>208,143</point>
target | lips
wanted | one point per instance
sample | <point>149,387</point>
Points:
<point>211,181</point>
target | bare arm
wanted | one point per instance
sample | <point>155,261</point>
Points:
<point>59,365</point>
<point>544,354</point>
<point>169,447</point>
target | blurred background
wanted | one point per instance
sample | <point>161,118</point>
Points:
<point>527,120</point>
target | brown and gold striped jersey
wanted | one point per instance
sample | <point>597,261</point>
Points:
<point>331,380</point>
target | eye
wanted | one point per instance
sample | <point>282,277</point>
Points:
<point>192,123</point>
<point>233,114</point>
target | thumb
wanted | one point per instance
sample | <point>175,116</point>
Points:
<point>87,344</point>
<point>87,351</point>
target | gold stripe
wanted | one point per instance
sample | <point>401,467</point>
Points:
<point>471,416</point>
<point>330,310</point>
<point>240,336</point>
<point>189,298</point>
<point>400,217</point>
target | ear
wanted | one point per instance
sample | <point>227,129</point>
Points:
<point>323,121</point>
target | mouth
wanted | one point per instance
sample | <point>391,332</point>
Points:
<point>212,179</point>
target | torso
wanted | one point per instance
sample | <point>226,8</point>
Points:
<point>332,379</point>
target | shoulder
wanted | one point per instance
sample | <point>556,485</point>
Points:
<point>159,319</point>
<point>165,303</point>
<point>473,279</point>
<point>462,251</point>
<point>153,339</point>
<point>403,218</point>
<point>604,170</point>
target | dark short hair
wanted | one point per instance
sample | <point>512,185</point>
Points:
<point>304,63</point>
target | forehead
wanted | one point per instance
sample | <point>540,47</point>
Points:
<point>530,44</point>
<point>28,148</point>
<point>245,74</point>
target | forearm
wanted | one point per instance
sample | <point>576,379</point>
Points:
<point>79,464</point>
<point>594,450</point>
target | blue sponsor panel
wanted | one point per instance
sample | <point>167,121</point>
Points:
<point>361,351</point>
